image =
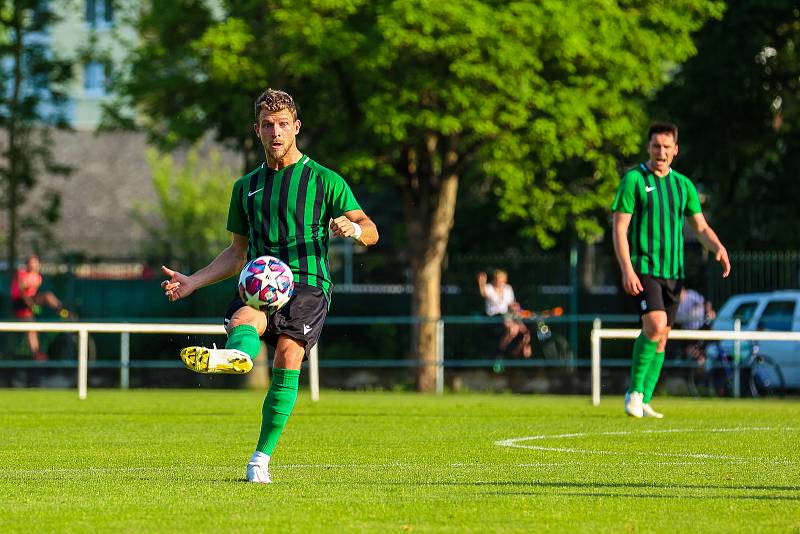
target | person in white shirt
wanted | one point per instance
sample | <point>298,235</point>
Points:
<point>500,300</point>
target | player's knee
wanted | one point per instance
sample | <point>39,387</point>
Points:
<point>250,316</point>
<point>289,353</point>
<point>655,327</point>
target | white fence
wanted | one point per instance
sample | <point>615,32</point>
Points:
<point>736,335</point>
<point>125,330</point>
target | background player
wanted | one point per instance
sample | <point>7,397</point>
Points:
<point>651,202</point>
<point>282,209</point>
<point>26,300</point>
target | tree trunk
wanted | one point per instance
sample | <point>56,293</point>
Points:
<point>429,244</point>
<point>11,131</point>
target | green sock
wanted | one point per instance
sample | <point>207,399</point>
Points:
<point>644,350</point>
<point>277,406</point>
<point>244,338</point>
<point>651,379</point>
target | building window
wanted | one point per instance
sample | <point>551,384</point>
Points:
<point>94,79</point>
<point>100,13</point>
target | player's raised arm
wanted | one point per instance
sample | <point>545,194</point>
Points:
<point>709,239</point>
<point>355,224</point>
<point>228,263</point>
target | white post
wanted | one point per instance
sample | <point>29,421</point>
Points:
<point>595,337</point>
<point>124,359</point>
<point>439,357</point>
<point>83,362</point>
<point>313,372</point>
<point>737,358</point>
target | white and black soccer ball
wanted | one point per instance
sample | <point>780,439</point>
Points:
<point>266,284</point>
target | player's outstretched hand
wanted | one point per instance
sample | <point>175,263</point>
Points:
<point>631,283</point>
<point>178,286</point>
<point>342,227</point>
<point>722,257</point>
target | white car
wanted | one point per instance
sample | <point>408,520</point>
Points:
<point>778,311</point>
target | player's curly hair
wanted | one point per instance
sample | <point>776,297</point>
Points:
<point>275,100</point>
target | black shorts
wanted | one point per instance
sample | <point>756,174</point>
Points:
<point>659,294</point>
<point>301,318</point>
<point>19,305</point>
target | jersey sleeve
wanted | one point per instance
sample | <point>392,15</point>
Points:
<point>625,199</point>
<point>692,200</point>
<point>338,195</point>
<point>237,219</point>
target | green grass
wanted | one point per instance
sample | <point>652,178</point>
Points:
<point>165,461</point>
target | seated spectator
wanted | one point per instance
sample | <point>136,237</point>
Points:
<point>500,300</point>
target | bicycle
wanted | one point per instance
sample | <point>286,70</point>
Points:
<point>759,375</point>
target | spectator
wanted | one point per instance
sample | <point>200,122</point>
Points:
<point>500,300</point>
<point>26,300</point>
<point>694,311</point>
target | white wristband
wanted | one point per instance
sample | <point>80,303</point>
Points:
<point>357,229</point>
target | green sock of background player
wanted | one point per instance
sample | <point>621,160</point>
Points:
<point>651,379</point>
<point>644,350</point>
<point>282,392</point>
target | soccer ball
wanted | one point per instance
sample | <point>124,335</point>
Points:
<point>266,284</point>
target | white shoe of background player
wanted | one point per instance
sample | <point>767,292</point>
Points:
<point>633,404</point>
<point>648,411</point>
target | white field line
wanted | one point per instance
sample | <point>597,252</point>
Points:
<point>517,443</point>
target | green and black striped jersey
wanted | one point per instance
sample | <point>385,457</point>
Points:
<point>285,214</point>
<point>658,206</point>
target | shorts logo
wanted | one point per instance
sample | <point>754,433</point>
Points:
<point>644,305</point>
<point>306,329</point>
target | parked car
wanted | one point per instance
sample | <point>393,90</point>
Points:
<point>778,311</point>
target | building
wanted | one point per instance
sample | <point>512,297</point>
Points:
<point>110,174</point>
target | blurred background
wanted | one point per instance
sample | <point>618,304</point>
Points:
<point>479,135</point>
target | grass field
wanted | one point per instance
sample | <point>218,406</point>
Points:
<point>165,461</point>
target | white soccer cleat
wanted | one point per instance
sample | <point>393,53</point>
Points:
<point>648,411</point>
<point>633,404</point>
<point>214,360</point>
<point>258,469</point>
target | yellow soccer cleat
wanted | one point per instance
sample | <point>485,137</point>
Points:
<point>214,360</point>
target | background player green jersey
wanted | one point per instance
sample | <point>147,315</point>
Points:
<point>657,206</point>
<point>285,213</point>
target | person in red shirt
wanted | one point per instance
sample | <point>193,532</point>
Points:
<point>26,300</point>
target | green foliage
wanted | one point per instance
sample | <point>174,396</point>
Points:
<point>539,98</point>
<point>187,224</point>
<point>34,79</point>
<point>737,105</point>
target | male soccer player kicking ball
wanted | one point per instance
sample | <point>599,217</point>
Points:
<point>283,209</point>
<point>651,202</point>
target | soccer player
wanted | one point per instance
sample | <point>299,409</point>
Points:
<point>283,208</point>
<point>651,202</point>
<point>26,300</point>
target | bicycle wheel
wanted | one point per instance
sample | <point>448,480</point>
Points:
<point>766,378</point>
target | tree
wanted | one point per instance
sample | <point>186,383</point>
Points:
<point>187,225</point>
<point>32,100</point>
<point>539,97</point>
<point>737,106</point>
